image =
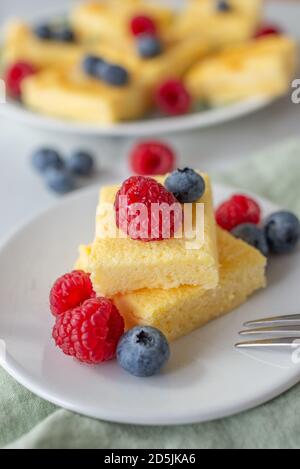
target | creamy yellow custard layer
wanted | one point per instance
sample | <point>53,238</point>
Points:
<point>110,19</point>
<point>70,94</point>
<point>261,67</point>
<point>179,311</point>
<point>121,264</point>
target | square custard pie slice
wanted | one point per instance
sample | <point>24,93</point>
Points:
<point>120,264</point>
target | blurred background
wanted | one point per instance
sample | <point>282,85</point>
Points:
<point>22,193</point>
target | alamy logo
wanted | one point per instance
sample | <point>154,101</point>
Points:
<point>296,93</point>
<point>2,92</point>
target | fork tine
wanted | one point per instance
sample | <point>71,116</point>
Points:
<point>282,342</point>
<point>272,330</point>
<point>292,318</point>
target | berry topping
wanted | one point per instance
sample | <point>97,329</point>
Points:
<point>15,75</point>
<point>237,210</point>
<point>92,65</point>
<point>90,332</point>
<point>65,35</point>
<point>45,158</point>
<point>81,163</point>
<point>70,291</point>
<point>252,235</point>
<point>172,98</point>
<point>267,30</point>
<point>186,185</point>
<point>143,351</point>
<point>282,230</point>
<point>59,180</point>
<point>44,31</point>
<point>152,158</point>
<point>223,6</point>
<point>149,46</point>
<point>142,24</point>
<point>114,75</point>
<point>146,211</point>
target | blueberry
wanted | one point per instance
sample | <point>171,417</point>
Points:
<point>43,31</point>
<point>143,351</point>
<point>282,230</point>
<point>252,235</point>
<point>59,180</point>
<point>81,163</point>
<point>149,46</point>
<point>114,75</point>
<point>91,65</point>
<point>65,35</point>
<point>223,6</point>
<point>186,185</point>
<point>45,158</point>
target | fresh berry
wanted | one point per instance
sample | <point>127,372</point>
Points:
<point>65,35</point>
<point>44,31</point>
<point>282,230</point>
<point>252,235</point>
<point>223,6</point>
<point>152,158</point>
<point>137,210</point>
<point>59,180</point>
<point>81,163</point>
<point>114,75</point>
<point>172,98</point>
<point>143,351</point>
<point>267,30</point>
<point>15,75</point>
<point>90,332</point>
<point>186,185</point>
<point>92,65</point>
<point>45,158</point>
<point>70,291</point>
<point>142,24</point>
<point>149,46</point>
<point>237,210</point>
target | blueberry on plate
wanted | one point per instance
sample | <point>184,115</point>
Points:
<point>92,65</point>
<point>43,31</point>
<point>59,180</point>
<point>223,5</point>
<point>65,35</point>
<point>282,231</point>
<point>149,46</point>
<point>252,235</point>
<point>81,163</point>
<point>114,75</point>
<point>45,158</point>
<point>186,185</point>
<point>143,351</point>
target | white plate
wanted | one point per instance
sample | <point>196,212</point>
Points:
<point>138,128</point>
<point>206,377</point>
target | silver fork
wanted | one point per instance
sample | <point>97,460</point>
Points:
<point>289,326</point>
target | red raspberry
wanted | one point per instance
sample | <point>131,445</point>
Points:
<point>152,158</point>
<point>69,291</point>
<point>142,24</point>
<point>150,225</point>
<point>237,210</point>
<point>15,75</point>
<point>267,30</point>
<point>172,98</point>
<point>90,332</point>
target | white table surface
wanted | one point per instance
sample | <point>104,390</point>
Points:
<point>22,194</point>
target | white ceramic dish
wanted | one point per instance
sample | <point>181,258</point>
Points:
<point>206,377</point>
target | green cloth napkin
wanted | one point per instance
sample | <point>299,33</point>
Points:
<point>27,421</point>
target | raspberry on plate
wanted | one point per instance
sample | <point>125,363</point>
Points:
<point>267,30</point>
<point>152,158</point>
<point>70,291</point>
<point>90,332</point>
<point>237,210</point>
<point>138,214</point>
<point>172,98</point>
<point>142,24</point>
<point>15,75</point>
